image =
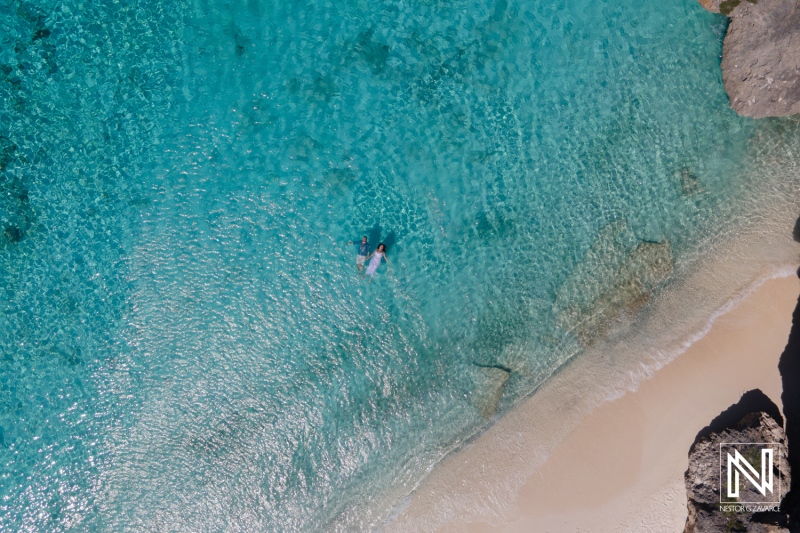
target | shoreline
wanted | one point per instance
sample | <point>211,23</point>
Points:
<point>559,462</point>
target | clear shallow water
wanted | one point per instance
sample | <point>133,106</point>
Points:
<point>186,344</point>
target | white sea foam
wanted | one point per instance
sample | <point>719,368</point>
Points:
<point>719,275</point>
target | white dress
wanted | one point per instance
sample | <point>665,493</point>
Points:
<point>374,263</point>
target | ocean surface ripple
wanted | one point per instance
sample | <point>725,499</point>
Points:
<point>185,343</point>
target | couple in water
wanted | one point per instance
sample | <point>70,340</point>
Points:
<point>374,257</point>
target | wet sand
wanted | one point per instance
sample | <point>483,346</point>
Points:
<point>557,464</point>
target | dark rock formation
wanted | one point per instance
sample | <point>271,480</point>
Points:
<point>761,55</point>
<point>724,7</point>
<point>754,419</point>
<point>753,401</point>
<point>16,213</point>
<point>789,368</point>
<point>12,233</point>
<point>796,230</point>
<point>690,184</point>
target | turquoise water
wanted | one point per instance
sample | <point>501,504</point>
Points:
<point>186,343</point>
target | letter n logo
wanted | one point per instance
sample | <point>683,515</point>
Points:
<point>737,464</point>
<point>749,464</point>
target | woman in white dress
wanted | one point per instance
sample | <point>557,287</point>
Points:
<point>375,260</point>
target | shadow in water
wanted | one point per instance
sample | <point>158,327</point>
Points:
<point>374,236</point>
<point>390,240</point>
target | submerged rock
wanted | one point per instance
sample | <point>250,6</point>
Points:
<point>371,51</point>
<point>591,275</point>
<point>13,233</point>
<point>761,56</point>
<point>705,480</point>
<point>690,184</point>
<point>16,214</point>
<point>650,264</point>
<point>490,382</point>
<point>622,296</point>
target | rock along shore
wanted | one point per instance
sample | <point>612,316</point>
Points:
<point>761,55</point>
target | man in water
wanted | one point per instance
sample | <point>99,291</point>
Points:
<point>363,252</point>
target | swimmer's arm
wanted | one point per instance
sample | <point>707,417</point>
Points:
<point>387,259</point>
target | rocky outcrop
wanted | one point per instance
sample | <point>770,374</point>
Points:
<point>789,368</point>
<point>709,507</point>
<point>761,55</point>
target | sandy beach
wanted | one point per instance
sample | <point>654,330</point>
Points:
<point>619,466</point>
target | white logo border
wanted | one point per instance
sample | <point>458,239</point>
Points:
<point>778,447</point>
